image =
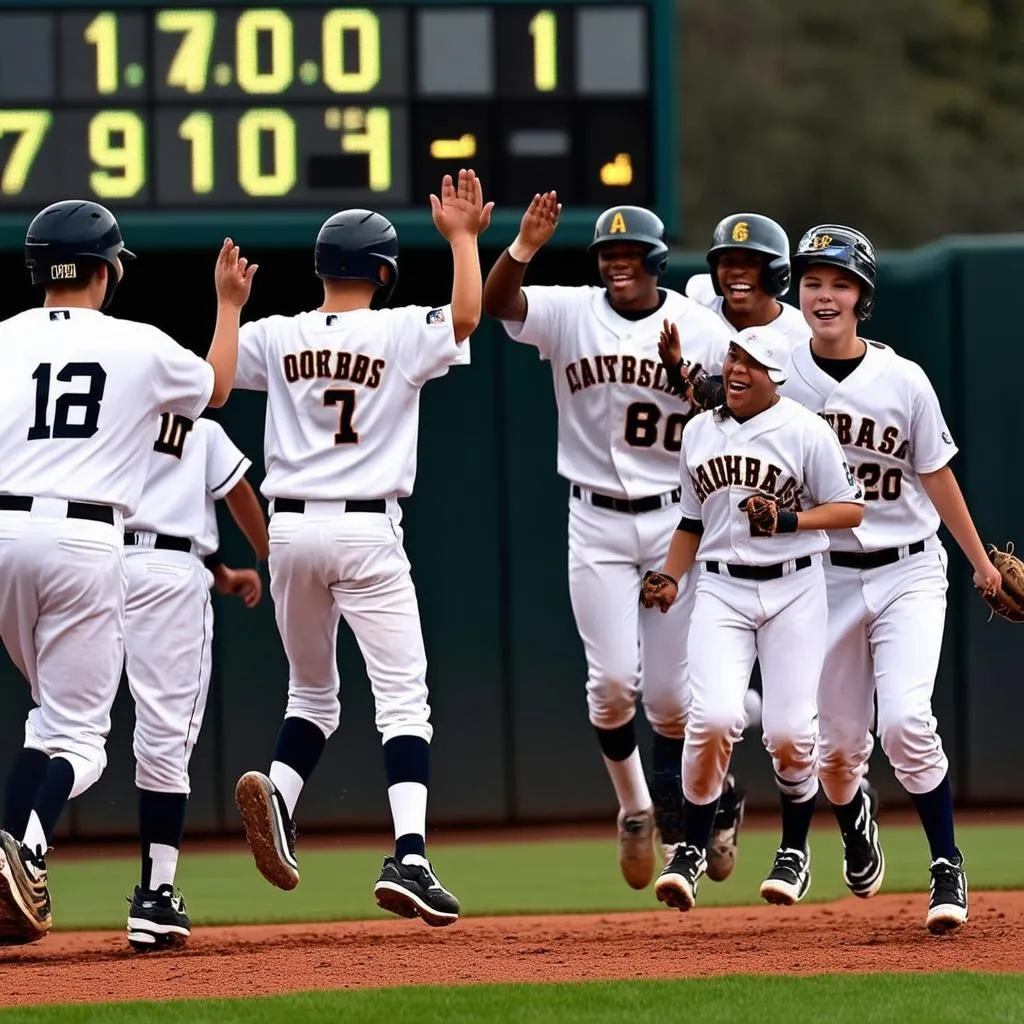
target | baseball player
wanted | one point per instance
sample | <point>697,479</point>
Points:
<point>886,577</point>
<point>343,384</point>
<point>619,434</point>
<point>80,393</point>
<point>171,546</point>
<point>762,480</point>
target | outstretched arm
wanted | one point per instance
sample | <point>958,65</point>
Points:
<point>233,279</point>
<point>503,290</point>
<point>945,494</point>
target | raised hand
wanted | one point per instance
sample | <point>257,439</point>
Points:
<point>233,274</point>
<point>460,210</point>
<point>670,348</point>
<point>538,223</point>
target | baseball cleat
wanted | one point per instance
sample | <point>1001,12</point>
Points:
<point>789,879</point>
<point>24,897</point>
<point>863,859</point>
<point>947,907</point>
<point>636,847</point>
<point>725,832</point>
<point>269,829</point>
<point>409,888</point>
<point>157,919</point>
<point>677,884</point>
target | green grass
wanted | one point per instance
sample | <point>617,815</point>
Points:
<point>857,999</point>
<point>514,878</point>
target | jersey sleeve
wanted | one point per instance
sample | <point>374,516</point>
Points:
<point>251,371</point>
<point>424,342</point>
<point>827,475</point>
<point>689,506</point>
<point>550,315</point>
<point>182,382</point>
<point>931,443</point>
<point>225,464</point>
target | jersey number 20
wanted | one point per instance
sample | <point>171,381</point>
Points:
<point>87,401</point>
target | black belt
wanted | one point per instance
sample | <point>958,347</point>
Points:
<point>633,506</point>
<point>356,505</point>
<point>871,559</point>
<point>162,543</point>
<point>759,572</point>
<point>76,509</point>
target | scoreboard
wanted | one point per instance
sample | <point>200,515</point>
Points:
<point>151,107</point>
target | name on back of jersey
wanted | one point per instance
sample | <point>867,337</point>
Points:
<point>864,432</point>
<point>615,369</point>
<point>745,471</point>
<point>331,364</point>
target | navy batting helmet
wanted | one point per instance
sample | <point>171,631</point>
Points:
<point>838,246</point>
<point>353,245</point>
<point>634,224</point>
<point>64,242</point>
<point>759,234</point>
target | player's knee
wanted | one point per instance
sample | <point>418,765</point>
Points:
<point>611,700</point>
<point>162,775</point>
<point>317,705</point>
<point>794,751</point>
<point>716,719</point>
<point>87,766</point>
<point>906,732</point>
<point>667,713</point>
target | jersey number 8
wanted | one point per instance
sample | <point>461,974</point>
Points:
<point>642,427</point>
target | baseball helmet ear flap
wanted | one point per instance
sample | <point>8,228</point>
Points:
<point>656,259</point>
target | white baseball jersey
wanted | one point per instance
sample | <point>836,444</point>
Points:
<point>887,418</point>
<point>790,321</point>
<point>619,427</point>
<point>191,466</point>
<point>786,452</point>
<point>343,393</point>
<point>80,393</point>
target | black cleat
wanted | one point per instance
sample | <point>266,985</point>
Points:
<point>411,889</point>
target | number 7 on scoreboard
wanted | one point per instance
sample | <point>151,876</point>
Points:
<point>31,127</point>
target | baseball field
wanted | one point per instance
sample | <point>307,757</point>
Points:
<point>550,930</point>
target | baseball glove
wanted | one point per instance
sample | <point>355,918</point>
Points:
<point>654,583</point>
<point>763,513</point>
<point>1008,601</point>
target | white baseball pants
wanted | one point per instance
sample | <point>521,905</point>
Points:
<point>631,652</point>
<point>885,630</point>
<point>325,565</point>
<point>781,622</point>
<point>168,643</point>
<point>62,621</point>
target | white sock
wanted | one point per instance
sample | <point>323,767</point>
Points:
<point>165,863</point>
<point>35,837</point>
<point>289,784</point>
<point>629,782</point>
<point>408,808</point>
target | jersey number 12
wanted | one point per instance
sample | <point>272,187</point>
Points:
<point>87,420</point>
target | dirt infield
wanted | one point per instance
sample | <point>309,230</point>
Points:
<point>883,934</point>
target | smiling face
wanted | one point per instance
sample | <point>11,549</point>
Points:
<point>630,287</point>
<point>739,278</point>
<point>828,296</point>
<point>748,388</point>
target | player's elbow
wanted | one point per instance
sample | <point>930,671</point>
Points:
<point>847,515</point>
<point>220,393</point>
<point>464,324</point>
<point>500,301</point>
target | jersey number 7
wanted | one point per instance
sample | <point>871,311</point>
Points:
<point>345,398</point>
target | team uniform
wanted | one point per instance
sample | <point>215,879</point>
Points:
<point>169,635</point>
<point>343,392</point>
<point>620,429</point>
<point>886,583</point>
<point>80,393</point>
<point>756,597</point>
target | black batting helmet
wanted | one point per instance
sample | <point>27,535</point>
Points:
<point>353,245</point>
<point>64,242</point>
<point>758,234</point>
<point>840,246</point>
<point>634,224</point>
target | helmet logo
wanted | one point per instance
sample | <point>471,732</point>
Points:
<point>618,226</point>
<point>63,272</point>
<point>821,241</point>
<point>740,231</point>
